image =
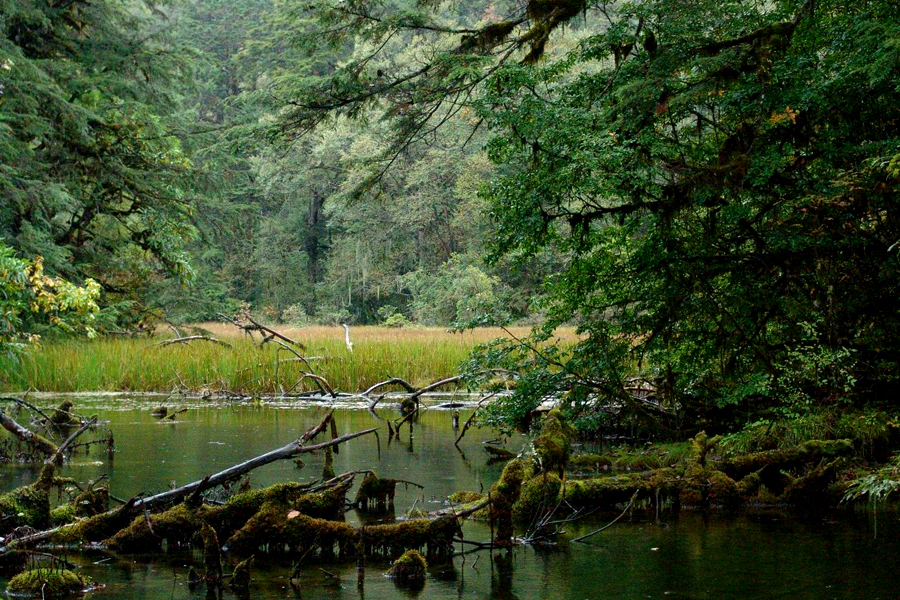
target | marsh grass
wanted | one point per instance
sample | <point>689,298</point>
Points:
<point>419,355</point>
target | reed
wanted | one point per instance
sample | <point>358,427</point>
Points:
<point>419,355</point>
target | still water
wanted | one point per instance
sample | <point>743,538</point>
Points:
<point>752,555</point>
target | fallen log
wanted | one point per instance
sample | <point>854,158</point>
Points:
<point>172,496</point>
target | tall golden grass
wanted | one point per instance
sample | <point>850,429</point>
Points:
<point>418,355</point>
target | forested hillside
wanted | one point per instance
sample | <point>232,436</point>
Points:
<point>138,151</point>
<point>706,189</point>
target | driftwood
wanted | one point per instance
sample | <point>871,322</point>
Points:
<point>414,393</point>
<point>471,419</point>
<point>193,338</point>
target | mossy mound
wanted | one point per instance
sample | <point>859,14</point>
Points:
<point>48,583</point>
<point>554,444</point>
<point>539,495</point>
<point>375,493</point>
<point>410,567</point>
<point>62,514</point>
<point>25,506</point>
<point>504,494</point>
<point>92,502</point>
<point>240,579</point>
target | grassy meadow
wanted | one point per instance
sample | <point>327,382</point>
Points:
<point>419,355</point>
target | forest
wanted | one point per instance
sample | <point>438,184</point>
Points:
<point>646,251</point>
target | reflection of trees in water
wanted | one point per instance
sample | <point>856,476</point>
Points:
<point>502,577</point>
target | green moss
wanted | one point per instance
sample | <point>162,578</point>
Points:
<point>375,493</point>
<point>589,462</point>
<point>605,492</point>
<point>463,497</point>
<point>25,506</point>
<point>176,526</point>
<point>240,579</point>
<point>62,514</point>
<point>48,583</point>
<point>554,443</point>
<point>504,494</point>
<point>279,528</point>
<point>539,495</point>
<point>410,567</point>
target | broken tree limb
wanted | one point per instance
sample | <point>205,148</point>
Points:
<point>29,406</point>
<point>414,393</point>
<point>230,474</point>
<point>193,338</point>
<point>433,386</point>
<point>57,457</point>
<point>252,325</point>
<point>34,440</point>
<point>392,381</point>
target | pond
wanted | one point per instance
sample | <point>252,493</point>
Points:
<point>697,556</point>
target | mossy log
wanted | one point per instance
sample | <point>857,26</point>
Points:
<point>48,583</point>
<point>275,528</point>
<point>770,461</point>
<point>179,524</point>
<point>391,540</point>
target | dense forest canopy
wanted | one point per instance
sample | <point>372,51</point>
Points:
<point>706,189</point>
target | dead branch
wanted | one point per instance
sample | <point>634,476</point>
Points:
<point>249,325</point>
<point>29,406</point>
<point>471,418</point>
<point>193,338</point>
<point>392,381</point>
<point>34,440</point>
<point>57,457</point>
<point>611,523</point>
<point>414,393</point>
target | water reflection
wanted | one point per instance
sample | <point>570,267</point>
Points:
<point>748,556</point>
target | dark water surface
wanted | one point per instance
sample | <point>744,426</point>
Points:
<point>746,556</point>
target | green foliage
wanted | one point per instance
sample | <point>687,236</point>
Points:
<point>31,303</point>
<point>876,486</point>
<point>92,174</point>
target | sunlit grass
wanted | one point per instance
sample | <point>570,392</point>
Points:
<point>419,355</point>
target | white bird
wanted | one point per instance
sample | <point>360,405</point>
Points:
<point>347,337</point>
